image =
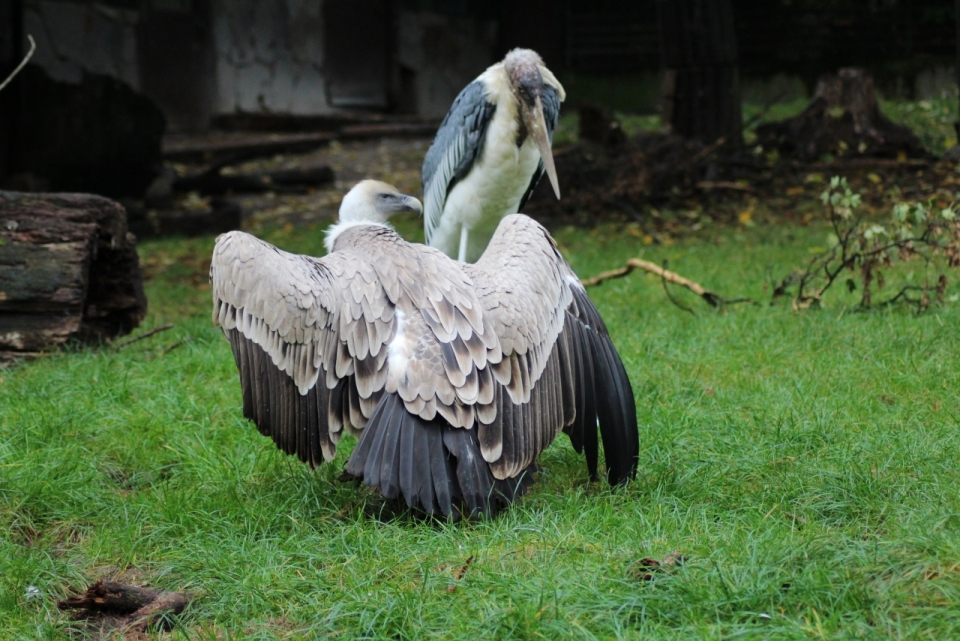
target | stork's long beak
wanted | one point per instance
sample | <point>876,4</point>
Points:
<point>537,126</point>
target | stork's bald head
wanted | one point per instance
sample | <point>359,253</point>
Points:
<point>528,78</point>
<point>372,201</point>
<point>523,69</point>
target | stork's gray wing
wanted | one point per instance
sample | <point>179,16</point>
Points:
<point>559,368</point>
<point>551,116</point>
<point>458,143</point>
<point>308,338</point>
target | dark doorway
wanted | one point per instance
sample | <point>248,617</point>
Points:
<point>358,36</point>
<point>175,50</point>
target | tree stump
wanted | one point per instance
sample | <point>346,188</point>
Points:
<point>842,119</point>
<point>700,86</point>
<point>68,271</point>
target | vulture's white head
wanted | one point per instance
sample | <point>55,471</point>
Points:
<point>370,202</point>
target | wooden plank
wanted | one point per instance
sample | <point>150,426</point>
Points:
<point>246,147</point>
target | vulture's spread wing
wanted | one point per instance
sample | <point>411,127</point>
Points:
<point>308,337</point>
<point>458,143</point>
<point>457,376</point>
<point>318,341</point>
<point>559,368</point>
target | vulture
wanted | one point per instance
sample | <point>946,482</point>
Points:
<point>454,377</point>
<point>489,153</point>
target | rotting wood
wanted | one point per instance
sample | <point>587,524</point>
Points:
<point>112,597</point>
<point>126,611</point>
<point>388,130</point>
<point>223,215</point>
<point>699,80</point>
<point>247,147</point>
<point>68,270</point>
<point>212,182</point>
<point>168,603</point>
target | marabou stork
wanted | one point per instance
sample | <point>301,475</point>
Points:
<point>489,153</point>
<point>454,376</point>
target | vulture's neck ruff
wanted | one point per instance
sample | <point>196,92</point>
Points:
<point>370,202</point>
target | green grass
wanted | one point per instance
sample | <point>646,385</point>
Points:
<point>804,463</point>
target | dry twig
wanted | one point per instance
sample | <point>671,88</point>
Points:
<point>169,348</point>
<point>712,298</point>
<point>130,341</point>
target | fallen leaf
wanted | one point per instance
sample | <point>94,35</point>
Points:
<point>459,575</point>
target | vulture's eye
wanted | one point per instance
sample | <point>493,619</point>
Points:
<point>384,197</point>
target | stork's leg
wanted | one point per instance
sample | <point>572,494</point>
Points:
<point>462,256</point>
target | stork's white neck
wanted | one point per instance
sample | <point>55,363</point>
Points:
<point>339,227</point>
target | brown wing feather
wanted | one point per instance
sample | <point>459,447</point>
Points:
<point>560,370</point>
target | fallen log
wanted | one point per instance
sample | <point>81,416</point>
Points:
<point>221,216</point>
<point>245,148</point>
<point>68,271</point>
<point>212,182</point>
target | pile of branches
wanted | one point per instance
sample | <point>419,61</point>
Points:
<point>606,171</point>
<point>860,250</point>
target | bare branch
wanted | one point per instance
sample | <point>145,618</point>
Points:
<point>713,299</point>
<point>23,63</point>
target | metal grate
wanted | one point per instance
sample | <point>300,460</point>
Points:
<point>611,41</point>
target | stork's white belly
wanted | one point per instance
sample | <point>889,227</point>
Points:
<point>491,190</point>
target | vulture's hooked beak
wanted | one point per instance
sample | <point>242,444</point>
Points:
<point>537,127</point>
<point>409,203</point>
<point>396,203</point>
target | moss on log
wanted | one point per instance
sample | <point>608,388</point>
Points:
<point>68,271</point>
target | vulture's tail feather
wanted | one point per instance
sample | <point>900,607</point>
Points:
<point>616,413</point>
<point>606,396</point>
<point>433,467</point>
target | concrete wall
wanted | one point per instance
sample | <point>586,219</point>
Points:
<point>74,37</point>
<point>438,56</point>
<point>269,57</point>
